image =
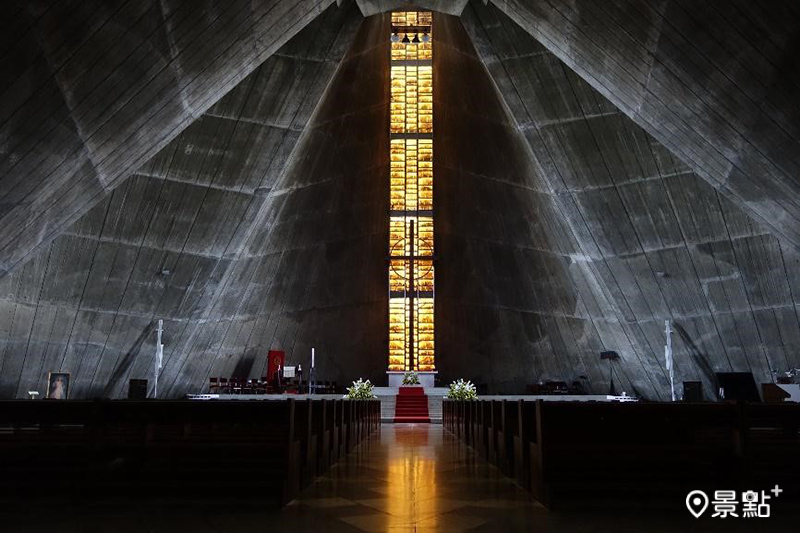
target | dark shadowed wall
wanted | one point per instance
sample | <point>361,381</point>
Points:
<point>507,312</point>
<point>318,271</point>
<point>657,239</point>
<point>564,226</point>
<point>87,303</point>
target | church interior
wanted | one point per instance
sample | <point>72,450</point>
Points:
<point>394,266</point>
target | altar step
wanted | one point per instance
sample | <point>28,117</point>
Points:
<point>411,405</point>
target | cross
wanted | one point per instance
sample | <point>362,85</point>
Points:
<point>411,297</point>
<point>777,490</point>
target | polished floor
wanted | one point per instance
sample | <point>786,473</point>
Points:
<point>408,478</point>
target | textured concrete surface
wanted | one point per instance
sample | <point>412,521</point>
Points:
<point>507,311</point>
<point>567,224</point>
<point>715,81</point>
<point>87,302</point>
<point>313,271</point>
<point>654,241</point>
<point>93,89</point>
<point>373,7</point>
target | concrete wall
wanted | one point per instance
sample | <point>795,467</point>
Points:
<point>566,224</point>
<point>93,89</point>
<point>507,310</point>
<point>87,302</point>
<point>715,81</point>
<point>316,274</point>
<point>654,237</point>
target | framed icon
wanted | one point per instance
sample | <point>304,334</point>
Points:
<point>58,385</point>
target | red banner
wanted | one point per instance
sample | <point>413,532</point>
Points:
<point>275,360</point>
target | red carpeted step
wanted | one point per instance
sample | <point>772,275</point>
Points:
<point>412,391</point>
<point>411,405</point>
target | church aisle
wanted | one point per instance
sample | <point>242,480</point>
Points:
<point>413,477</point>
<point>419,478</point>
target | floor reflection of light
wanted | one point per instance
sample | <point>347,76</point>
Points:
<point>412,479</point>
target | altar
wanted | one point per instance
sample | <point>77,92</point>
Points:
<point>426,379</point>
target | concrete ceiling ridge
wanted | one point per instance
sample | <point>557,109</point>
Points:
<point>247,282</point>
<point>184,81</point>
<point>764,352</point>
<point>263,214</point>
<point>615,318</point>
<point>184,217</point>
<point>558,199</point>
<point>605,332</point>
<point>686,73</point>
<point>374,7</point>
<point>593,200</point>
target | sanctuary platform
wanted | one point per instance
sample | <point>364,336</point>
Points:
<point>411,406</point>
<point>386,395</point>
<point>434,395</point>
<point>264,396</point>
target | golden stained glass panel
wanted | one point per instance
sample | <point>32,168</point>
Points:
<point>411,106</point>
<point>401,328</point>
<point>400,233</point>
<point>411,268</point>
<point>411,174</point>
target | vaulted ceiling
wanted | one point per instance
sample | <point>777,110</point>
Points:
<point>192,163</point>
<point>655,241</point>
<point>92,90</point>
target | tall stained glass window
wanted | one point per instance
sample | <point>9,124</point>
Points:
<point>411,288</point>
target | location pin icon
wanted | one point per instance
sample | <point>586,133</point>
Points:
<point>697,502</point>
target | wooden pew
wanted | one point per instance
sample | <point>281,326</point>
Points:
<point>523,439</point>
<point>770,442</point>
<point>323,420</point>
<point>573,454</point>
<point>91,450</point>
<point>338,423</point>
<point>485,429</point>
<point>597,453</point>
<point>509,432</point>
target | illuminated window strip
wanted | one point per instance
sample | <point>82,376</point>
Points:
<point>411,174</point>
<point>423,332</point>
<point>399,231</point>
<point>412,18</point>
<point>411,196</point>
<point>399,277</point>
<point>411,105</point>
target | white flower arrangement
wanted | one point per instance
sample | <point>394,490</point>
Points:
<point>361,390</point>
<point>410,378</point>
<point>462,390</point>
